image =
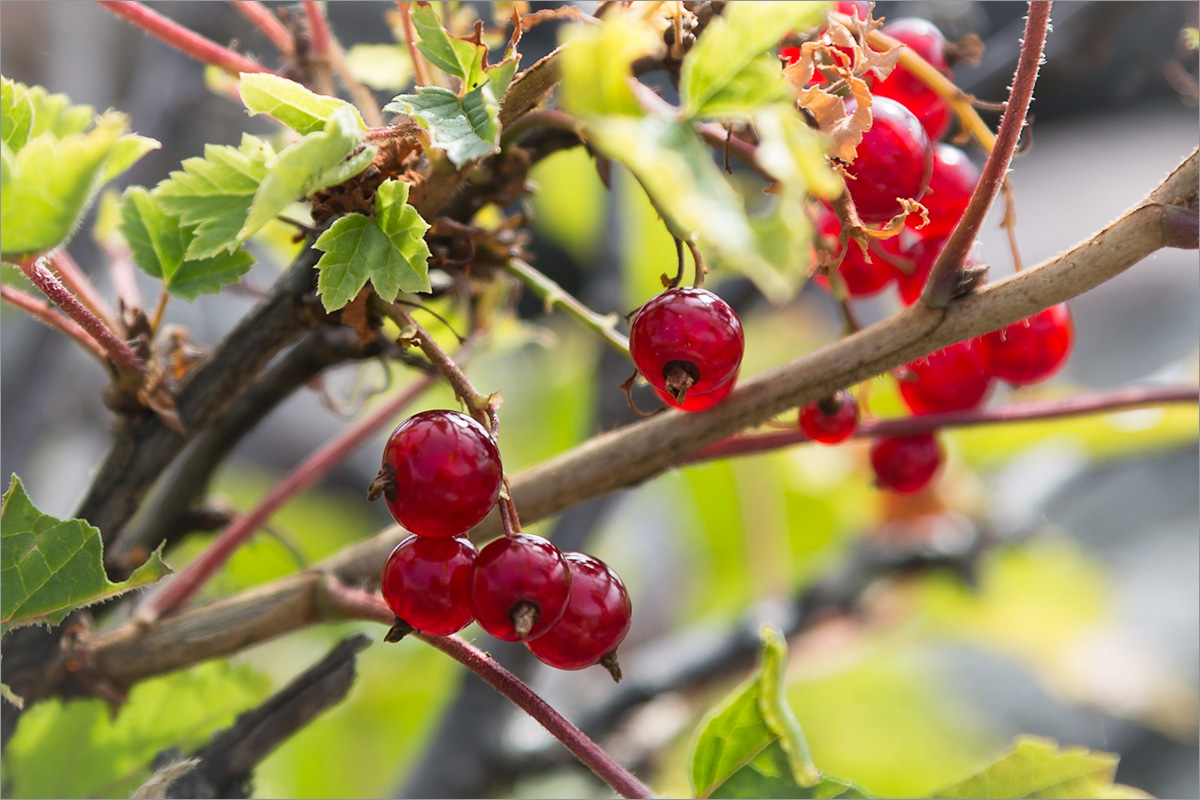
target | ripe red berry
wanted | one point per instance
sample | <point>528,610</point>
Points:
<point>851,8</point>
<point>595,622</point>
<point>950,186</point>
<point>863,278</point>
<point>906,464</point>
<point>924,39</point>
<point>698,402</point>
<point>894,161</point>
<point>687,341</point>
<point>830,420</point>
<point>519,587</point>
<point>952,379</point>
<point>1032,349</point>
<point>425,583</point>
<point>446,473</point>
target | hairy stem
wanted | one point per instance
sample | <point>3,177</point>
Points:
<point>48,314</point>
<point>555,295</point>
<point>420,73</point>
<point>947,268</point>
<point>319,39</point>
<point>81,286</point>
<point>266,21</point>
<point>182,38</point>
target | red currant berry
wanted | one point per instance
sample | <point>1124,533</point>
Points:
<point>687,341</point>
<point>906,464</point>
<point>952,379</point>
<point>426,581</point>
<point>894,161</point>
<point>924,39</point>
<point>1032,349</point>
<point>596,620</point>
<point>519,587</point>
<point>445,473</point>
<point>698,402</point>
<point>831,419</point>
<point>858,8</point>
<point>919,256</point>
<point>863,278</point>
<point>950,186</point>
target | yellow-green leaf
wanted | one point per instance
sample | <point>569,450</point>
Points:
<point>302,110</point>
<point>458,57</point>
<point>598,63</point>
<point>382,67</point>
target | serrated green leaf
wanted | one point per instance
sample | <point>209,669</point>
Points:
<point>49,567</point>
<point>318,160</point>
<point>389,250</point>
<point>382,67</point>
<point>597,65</point>
<point>16,114</point>
<point>294,105</point>
<point>734,738</point>
<point>127,151</point>
<point>458,57</point>
<point>47,185</point>
<point>767,776</point>
<point>733,70</point>
<point>54,113</point>
<point>158,244</point>
<point>1039,768</point>
<point>213,194</point>
<point>465,129</point>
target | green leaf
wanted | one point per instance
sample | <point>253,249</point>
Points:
<point>382,67</point>
<point>49,567</point>
<point>389,250</point>
<point>733,70</point>
<point>16,114</point>
<point>735,736</point>
<point>46,186</point>
<point>1039,768</point>
<point>461,58</point>
<point>597,65</point>
<point>126,152</point>
<point>465,129</point>
<point>318,160</point>
<point>158,243</point>
<point>213,194</point>
<point>767,775</point>
<point>54,114</point>
<point>8,694</point>
<point>294,105</point>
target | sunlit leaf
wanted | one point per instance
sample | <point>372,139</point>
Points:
<point>380,66</point>
<point>126,152</point>
<point>302,110</point>
<point>49,567</point>
<point>461,58</point>
<point>597,65</point>
<point>465,129</point>
<point>16,114</point>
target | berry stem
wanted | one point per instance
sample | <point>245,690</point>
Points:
<point>182,38</point>
<point>47,313</point>
<point>181,588</point>
<point>357,604</point>
<point>554,295</point>
<point>943,281</point>
<point>1080,405</point>
<point>263,19</point>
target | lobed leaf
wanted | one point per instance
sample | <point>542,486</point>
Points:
<point>465,129</point>
<point>389,250</point>
<point>50,567</point>
<point>302,110</point>
<point>462,58</point>
<point>16,114</point>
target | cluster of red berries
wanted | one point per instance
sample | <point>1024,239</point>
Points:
<point>441,476</point>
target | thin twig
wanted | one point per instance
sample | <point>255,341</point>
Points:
<point>414,55</point>
<point>78,284</point>
<point>555,295</point>
<point>318,54</point>
<point>268,23</point>
<point>49,314</point>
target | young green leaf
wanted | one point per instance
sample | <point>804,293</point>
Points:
<point>462,58</point>
<point>158,243</point>
<point>213,194</point>
<point>126,152</point>
<point>389,250</point>
<point>294,105</point>
<point>767,775</point>
<point>16,114</point>
<point>732,70</point>
<point>318,160</point>
<point>465,129</point>
<point>8,694</point>
<point>1039,768</point>
<point>54,113</point>
<point>382,67</point>
<point>597,65</point>
<point>49,567</point>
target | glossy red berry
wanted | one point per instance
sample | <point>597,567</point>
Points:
<point>830,420</point>
<point>425,582</point>
<point>852,8</point>
<point>917,257</point>
<point>863,278</point>
<point>446,473</point>
<point>1032,349</point>
<point>595,622</point>
<point>952,379</point>
<point>894,161</point>
<point>698,402</point>
<point>924,39</point>
<point>950,186</point>
<point>906,464</point>
<point>519,581</point>
<point>686,341</point>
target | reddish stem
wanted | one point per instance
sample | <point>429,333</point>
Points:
<point>361,605</point>
<point>318,29</point>
<point>127,362</point>
<point>182,38</point>
<point>1080,405</point>
<point>944,278</point>
<point>81,286</point>
<point>180,589</point>
<point>48,314</point>
<point>268,23</point>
